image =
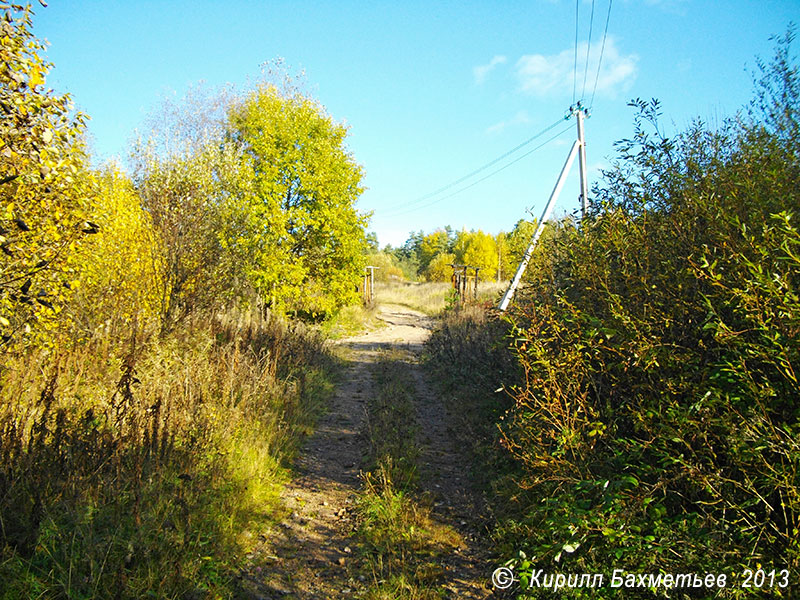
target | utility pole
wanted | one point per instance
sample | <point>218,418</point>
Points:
<point>578,147</point>
<point>539,228</point>
<point>579,113</point>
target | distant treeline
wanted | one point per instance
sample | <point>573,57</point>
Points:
<point>428,256</point>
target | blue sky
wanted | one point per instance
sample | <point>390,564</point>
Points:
<point>430,90</point>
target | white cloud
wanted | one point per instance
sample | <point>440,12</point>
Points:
<point>481,71</point>
<point>553,75</point>
<point>521,118</point>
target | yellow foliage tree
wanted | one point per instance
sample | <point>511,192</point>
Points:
<point>44,187</point>
<point>118,272</point>
<point>505,265</point>
<point>477,249</point>
<point>431,245</point>
<point>439,268</point>
<point>302,236</point>
<point>387,269</point>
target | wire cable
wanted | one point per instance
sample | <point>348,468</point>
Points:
<point>480,169</point>
<point>474,183</point>
<point>602,49</point>
<point>588,48</point>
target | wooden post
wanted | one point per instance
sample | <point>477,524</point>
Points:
<point>475,290</point>
<point>458,281</point>
<point>369,284</point>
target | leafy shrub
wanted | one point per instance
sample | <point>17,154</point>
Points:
<point>655,425</point>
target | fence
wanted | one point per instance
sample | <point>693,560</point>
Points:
<point>465,284</point>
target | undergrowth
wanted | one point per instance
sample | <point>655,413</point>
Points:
<point>470,363</point>
<point>140,470</point>
<point>651,422</point>
<point>350,320</point>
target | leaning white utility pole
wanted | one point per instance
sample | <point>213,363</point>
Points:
<point>578,147</point>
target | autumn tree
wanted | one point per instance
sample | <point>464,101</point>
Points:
<point>119,271</point>
<point>440,268</point>
<point>387,267</point>
<point>505,268</point>
<point>302,238</point>
<point>519,239</point>
<point>406,260</point>
<point>191,181</point>
<point>43,184</point>
<point>435,243</point>
<point>193,198</point>
<point>477,249</point>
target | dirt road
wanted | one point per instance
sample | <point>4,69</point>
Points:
<point>312,553</point>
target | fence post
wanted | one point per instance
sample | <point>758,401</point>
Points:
<point>369,284</point>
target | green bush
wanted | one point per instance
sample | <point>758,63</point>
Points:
<point>655,428</point>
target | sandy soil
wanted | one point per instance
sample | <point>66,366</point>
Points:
<point>311,553</point>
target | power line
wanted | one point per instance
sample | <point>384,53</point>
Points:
<point>588,48</point>
<point>480,169</point>
<point>474,183</point>
<point>602,49</point>
<point>415,205</point>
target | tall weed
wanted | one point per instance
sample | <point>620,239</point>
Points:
<point>138,473</point>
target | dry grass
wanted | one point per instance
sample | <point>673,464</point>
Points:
<point>433,297</point>
<point>137,469</point>
<point>351,320</point>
